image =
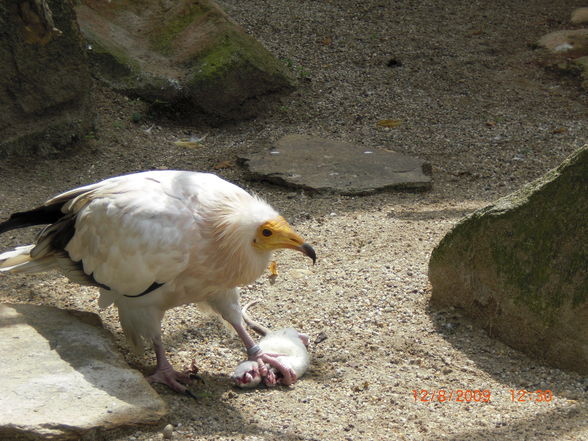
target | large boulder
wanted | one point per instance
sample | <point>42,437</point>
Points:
<point>519,267</point>
<point>45,82</point>
<point>181,50</point>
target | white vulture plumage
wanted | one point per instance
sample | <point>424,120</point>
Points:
<point>156,240</point>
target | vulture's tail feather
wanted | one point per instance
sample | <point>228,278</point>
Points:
<point>16,257</point>
<point>40,256</point>
<point>19,260</point>
<point>43,215</point>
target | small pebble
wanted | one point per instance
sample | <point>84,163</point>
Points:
<point>168,431</point>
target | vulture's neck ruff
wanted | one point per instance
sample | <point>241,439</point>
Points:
<point>236,224</point>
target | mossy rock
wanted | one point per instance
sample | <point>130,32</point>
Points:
<point>183,51</point>
<point>519,267</point>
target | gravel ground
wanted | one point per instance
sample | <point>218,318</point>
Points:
<point>473,100</point>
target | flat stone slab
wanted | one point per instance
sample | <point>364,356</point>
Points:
<point>62,377</point>
<point>318,164</point>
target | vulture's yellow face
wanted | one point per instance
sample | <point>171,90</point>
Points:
<point>277,233</point>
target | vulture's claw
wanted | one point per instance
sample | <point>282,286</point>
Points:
<point>196,377</point>
<point>190,394</point>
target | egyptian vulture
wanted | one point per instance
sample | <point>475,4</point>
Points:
<point>155,240</point>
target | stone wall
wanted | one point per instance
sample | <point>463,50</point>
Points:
<point>45,82</point>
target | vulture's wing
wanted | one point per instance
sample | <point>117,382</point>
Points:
<point>131,233</point>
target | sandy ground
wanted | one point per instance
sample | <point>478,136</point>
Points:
<point>463,80</point>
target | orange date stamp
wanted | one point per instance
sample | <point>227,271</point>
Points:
<point>480,395</point>
<point>447,395</point>
<point>531,396</point>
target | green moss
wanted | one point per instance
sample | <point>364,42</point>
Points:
<point>218,60</point>
<point>550,238</point>
<point>163,39</point>
<point>234,51</point>
<point>537,263</point>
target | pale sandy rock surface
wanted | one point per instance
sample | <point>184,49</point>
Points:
<point>473,102</point>
<point>62,376</point>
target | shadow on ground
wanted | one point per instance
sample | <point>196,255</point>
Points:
<point>518,372</point>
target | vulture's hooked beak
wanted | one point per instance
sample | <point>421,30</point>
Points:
<point>294,242</point>
<point>309,251</point>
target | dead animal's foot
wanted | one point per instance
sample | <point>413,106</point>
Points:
<point>173,379</point>
<point>271,379</point>
<point>304,338</point>
<point>287,375</point>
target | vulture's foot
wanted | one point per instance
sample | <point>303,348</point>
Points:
<point>288,376</point>
<point>175,380</point>
<point>166,374</point>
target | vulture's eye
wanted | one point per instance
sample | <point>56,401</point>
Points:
<point>266,232</point>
